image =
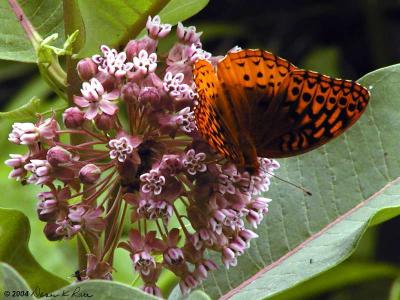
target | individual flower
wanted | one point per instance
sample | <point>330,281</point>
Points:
<point>140,248</point>
<point>152,182</point>
<point>41,171</point>
<point>89,174</point>
<point>29,133</point>
<point>174,87</point>
<point>186,120</point>
<point>73,117</point>
<point>17,162</point>
<point>86,69</point>
<point>145,63</point>
<point>112,62</point>
<point>120,149</point>
<point>57,156</point>
<point>194,162</point>
<point>187,35</point>
<point>155,29</point>
<point>97,269</point>
<point>66,229</point>
<point>95,100</point>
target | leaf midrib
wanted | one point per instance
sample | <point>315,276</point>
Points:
<point>276,263</point>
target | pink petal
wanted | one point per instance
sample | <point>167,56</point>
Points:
<point>107,107</point>
<point>91,113</point>
<point>80,101</point>
<point>112,95</point>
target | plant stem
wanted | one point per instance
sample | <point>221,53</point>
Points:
<point>72,22</point>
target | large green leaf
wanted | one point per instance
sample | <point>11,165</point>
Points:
<point>114,23</point>
<point>11,281</point>
<point>344,275</point>
<point>45,15</point>
<point>101,290</point>
<point>14,236</point>
<point>353,179</point>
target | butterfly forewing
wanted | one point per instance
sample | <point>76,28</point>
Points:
<point>208,118</point>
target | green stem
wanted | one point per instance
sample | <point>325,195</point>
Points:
<point>72,23</point>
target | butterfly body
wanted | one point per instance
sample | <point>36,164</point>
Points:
<point>256,104</point>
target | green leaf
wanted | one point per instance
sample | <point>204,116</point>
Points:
<point>103,27</point>
<point>45,15</point>
<point>353,179</point>
<point>343,275</point>
<point>23,113</point>
<point>11,281</point>
<point>195,295</point>
<point>101,289</point>
<point>395,290</point>
<point>15,231</point>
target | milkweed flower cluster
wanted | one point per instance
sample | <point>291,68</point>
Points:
<point>139,155</point>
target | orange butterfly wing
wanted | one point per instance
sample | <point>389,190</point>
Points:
<point>272,109</point>
<point>209,123</point>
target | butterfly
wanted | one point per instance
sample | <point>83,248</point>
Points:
<point>256,104</point>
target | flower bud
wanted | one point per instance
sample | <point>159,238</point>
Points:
<point>50,232</point>
<point>104,121</point>
<point>149,95</point>
<point>73,117</point>
<point>57,156</point>
<point>48,129</point>
<point>133,48</point>
<point>86,69</point>
<point>107,81</point>
<point>130,92</point>
<point>89,174</point>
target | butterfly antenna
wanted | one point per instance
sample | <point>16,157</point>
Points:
<point>305,191</point>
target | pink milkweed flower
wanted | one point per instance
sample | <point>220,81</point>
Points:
<point>194,162</point>
<point>52,204</point>
<point>172,254</point>
<point>175,88</point>
<point>97,269</point>
<point>187,283</point>
<point>187,35</point>
<point>256,210</point>
<point>202,269</point>
<point>120,149</point>
<point>95,100</point>
<point>140,249</point>
<point>57,156</point>
<point>73,117</point>
<point>112,62</point>
<point>17,162</point>
<point>153,182</point>
<point>66,229</point>
<point>152,289</point>
<point>90,219</point>
<point>144,63</point>
<point>155,29</point>
<point>29,133</point>
<point>41,171</point>
<point>86,68</point>
<point>186,120</point>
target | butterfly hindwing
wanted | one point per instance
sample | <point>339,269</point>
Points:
<point>313,109</point>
